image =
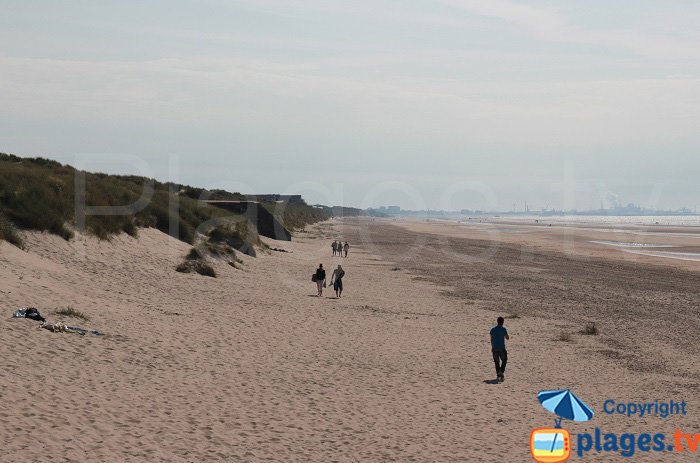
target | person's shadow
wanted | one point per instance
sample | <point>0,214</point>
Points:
<point>491,381</point>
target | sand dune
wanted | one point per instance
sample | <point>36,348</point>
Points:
<point>251,366</point>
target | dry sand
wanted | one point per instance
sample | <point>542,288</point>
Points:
<point>251,366</point>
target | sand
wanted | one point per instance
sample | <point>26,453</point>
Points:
<point>251,366</point>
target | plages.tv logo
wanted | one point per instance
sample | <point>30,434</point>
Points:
<point>553,445</point>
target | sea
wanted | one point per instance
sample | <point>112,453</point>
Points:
<point>642,247</point>
<point>670,220</point>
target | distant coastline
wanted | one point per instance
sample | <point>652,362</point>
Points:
<point>644,220</point>
<point>660,218</point>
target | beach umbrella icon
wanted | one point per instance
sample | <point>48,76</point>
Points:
<point>565,405</point>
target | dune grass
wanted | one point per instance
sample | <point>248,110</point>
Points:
<point>71,312</point>
<point>40,194</point>
<point>240,236</point>
<point>9,233</point>
<point>195,263</point>
<point>590,329</point>
<point>296,215</point>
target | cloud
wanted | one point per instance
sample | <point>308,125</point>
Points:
<point>552,25</point>
<point>375,10</point>
<point>233,94</point>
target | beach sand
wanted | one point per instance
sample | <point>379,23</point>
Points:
<point>251,366</point>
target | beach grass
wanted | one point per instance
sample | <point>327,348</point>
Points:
<point>40,194</point>
<point>195,263</point>
<point>9,233</point>
<point>590,329</point>
<point>71,312</point>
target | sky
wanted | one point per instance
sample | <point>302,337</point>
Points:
<point>442,104</point>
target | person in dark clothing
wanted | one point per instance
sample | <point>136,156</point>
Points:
<point>320,279</point>
<point>346,248</point>
<point>337,280</point>
<point>499,334</point>
<point>335,247</point>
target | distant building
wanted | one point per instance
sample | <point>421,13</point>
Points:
<point>276,198</point>
<point>394,210</point>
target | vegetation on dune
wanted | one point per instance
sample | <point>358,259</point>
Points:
<point>211,195</point>
<point>590,329</point>
<point>8,232</point>
<point>295,215</point>
<point>239,235</point>
<point>40,194</point>
<point>343,211</point>
<point>71,312</point>
<point>195,262</point>
<point>196,266</point>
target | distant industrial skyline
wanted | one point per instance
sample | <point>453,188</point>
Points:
<point>630,209</point>
<point>431,104</point>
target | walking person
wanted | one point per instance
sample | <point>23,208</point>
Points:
<point>336,247</point>
<point>499,334</point>
<point>320,279</point>
<point>346,248</point>
<point>337,280</point>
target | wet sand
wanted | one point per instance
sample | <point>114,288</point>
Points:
<point>558,271</point>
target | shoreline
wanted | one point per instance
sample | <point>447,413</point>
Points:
<point>583,241</point>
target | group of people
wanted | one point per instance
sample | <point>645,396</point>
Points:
<point>338,248</point>
<point>319,277</point>
<point>498,333</point>
<point>336,280</point>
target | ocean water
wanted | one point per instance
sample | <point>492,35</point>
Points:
<point>622,244</point>
<point>693,256</point>
<point>650,239</point>
<point>672,220</point>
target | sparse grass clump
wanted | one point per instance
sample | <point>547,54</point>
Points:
<point>71,312</point>
<point>196,266</point>
<point>193,254</point>
<point>224,251</point>
<point>239,236</point>
<point>590,329</point>
<point>206,270</point>
<point>512,316</point>
<point>195,263</point>
<point>565,337</point>
<point>9,233</point>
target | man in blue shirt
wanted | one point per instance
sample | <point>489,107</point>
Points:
<point>499,334</point>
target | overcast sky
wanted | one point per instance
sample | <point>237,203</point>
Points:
<point>425,103</point>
